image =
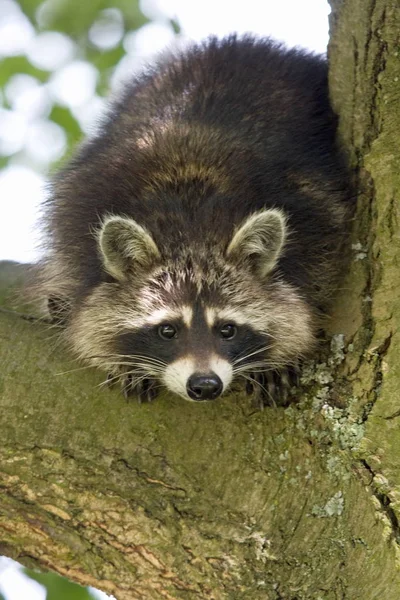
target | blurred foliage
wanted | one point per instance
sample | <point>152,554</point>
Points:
<point>63,117</point>
<point>74,19</point>
<point>59,588</point>
<point>11,65</point>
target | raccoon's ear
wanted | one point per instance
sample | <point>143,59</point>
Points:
<point>260,240</point>
<point>125,246</point>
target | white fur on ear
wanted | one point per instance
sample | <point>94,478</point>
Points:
<point>260,240</point>
<point>125,245</point>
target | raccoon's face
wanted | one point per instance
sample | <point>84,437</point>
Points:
<point>194,325</point>
<point>194,350</point>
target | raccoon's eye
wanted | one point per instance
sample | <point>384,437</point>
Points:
<point>167,332</point>
<point>228,331</point>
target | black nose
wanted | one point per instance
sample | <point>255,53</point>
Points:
<point>204,387</point>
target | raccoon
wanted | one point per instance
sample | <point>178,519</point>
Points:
<point>196,240</point>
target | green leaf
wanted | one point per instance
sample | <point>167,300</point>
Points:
<point>3,163</point>
<point>134,18</point>
<point>12,65</point>
<point>30,7</point>
<point>63,117</point>
<point>105,60</point>
<point>59,588</point>
<point>75,17</point>
<point>175,26</point>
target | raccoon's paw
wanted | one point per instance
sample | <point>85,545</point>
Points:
<point>144,389</point>
<point>273,388</point>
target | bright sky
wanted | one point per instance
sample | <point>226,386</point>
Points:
<point>26,127</point>
<point>297,22</point>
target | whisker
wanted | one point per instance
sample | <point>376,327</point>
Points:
<point>243,355</point>
<point>109,380</point>
<point>124,356</point>
<point>120,376</point>
<point>138,366</point>
<point>248,366</point>
<point>137,356</point>
<point>246,356</point>
<point>260,366</point>
<point>250,369</point>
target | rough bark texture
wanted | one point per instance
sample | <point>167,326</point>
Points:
<point>175,500</point>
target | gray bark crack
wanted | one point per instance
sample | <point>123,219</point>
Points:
<point>385,504</point>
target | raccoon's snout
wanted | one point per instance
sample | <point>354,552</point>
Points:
<point>204,387</point>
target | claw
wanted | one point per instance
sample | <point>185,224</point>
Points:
<point>152,391</point>
<point>273,388</point>
<point>249,387</point>
<point>259,389</point>
<point>146,390</point>
<point>111,380</point>
<point>284,388</point>
<point>128,386</point>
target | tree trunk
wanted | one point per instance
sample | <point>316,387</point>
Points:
<point>219,501</point>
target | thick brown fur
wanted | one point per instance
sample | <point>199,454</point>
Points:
<point>193,148</point>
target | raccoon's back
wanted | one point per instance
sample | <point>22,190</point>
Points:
<point>196,144</point>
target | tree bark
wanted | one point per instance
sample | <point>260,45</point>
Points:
<point>218,501</point>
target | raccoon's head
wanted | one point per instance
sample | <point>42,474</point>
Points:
<point>197,322</point>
